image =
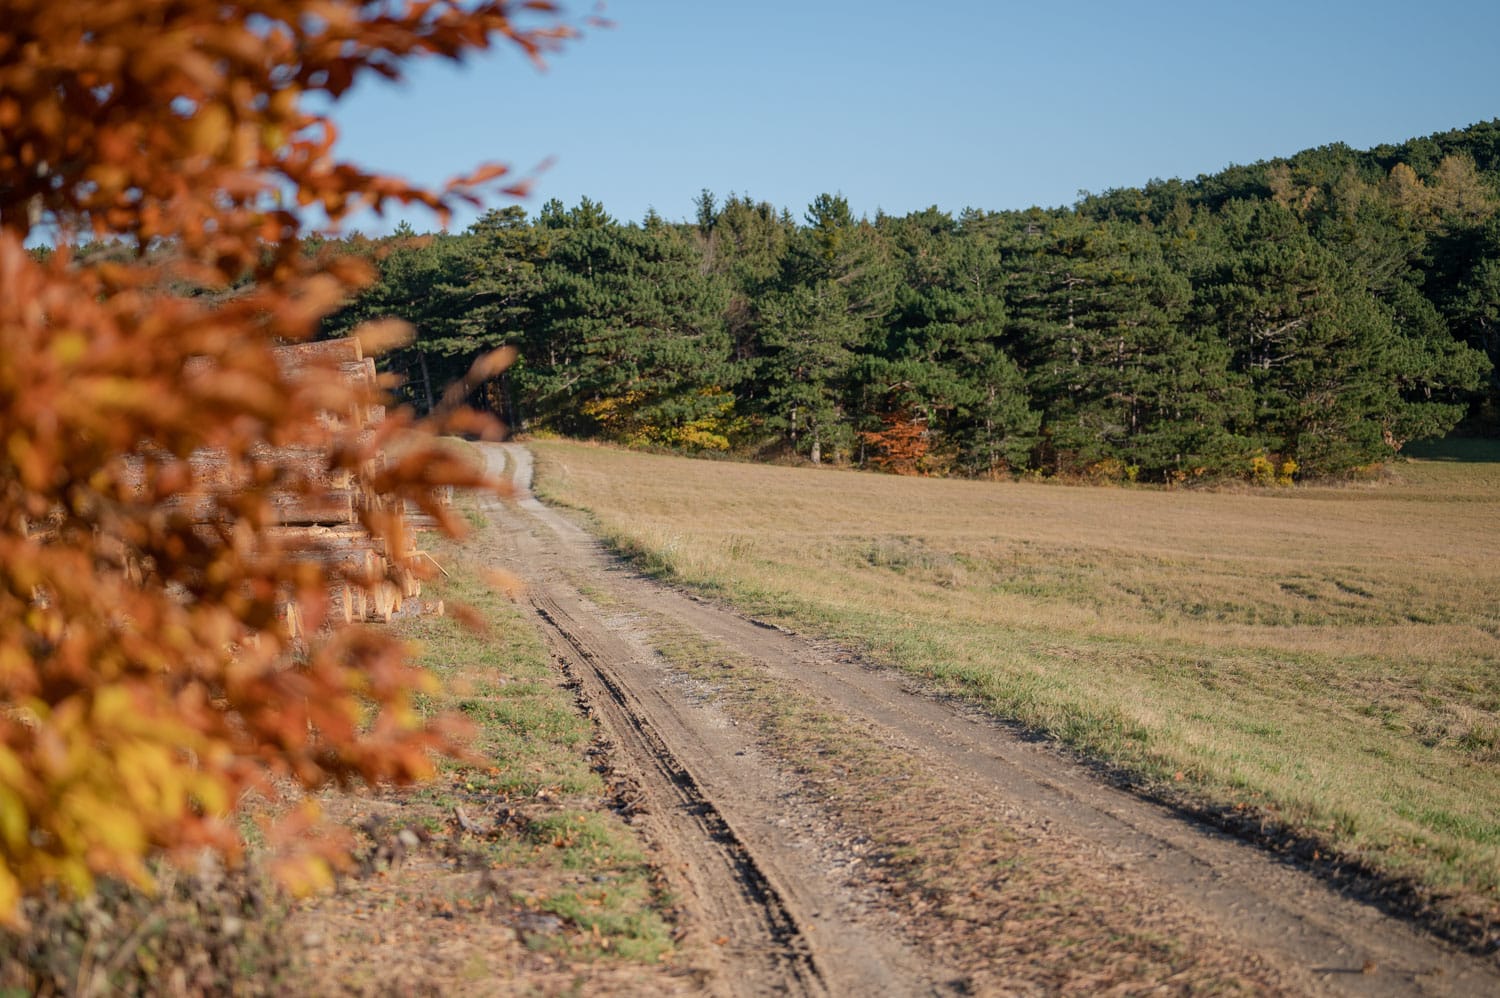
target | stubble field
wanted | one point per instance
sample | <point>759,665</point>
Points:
<point>1325,660</point>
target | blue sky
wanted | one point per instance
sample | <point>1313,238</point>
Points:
<point>994,105</point>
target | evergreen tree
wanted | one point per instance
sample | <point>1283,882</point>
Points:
<point>807,341</point>
<point>410,270</point>
<point>1333,371</point>
<point>835,288</point>
<point>629,340</point>
<point>1465,283</point>
<point>464,296</point>
<point>745,245</point>
<point>943,358</point>
<point>1127,385</point>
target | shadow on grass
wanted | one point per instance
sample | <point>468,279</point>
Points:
<point>1466,450</point>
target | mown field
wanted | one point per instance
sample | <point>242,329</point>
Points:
<point>1324,658</point>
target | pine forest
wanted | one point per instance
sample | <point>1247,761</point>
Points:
<point>1301,317</point>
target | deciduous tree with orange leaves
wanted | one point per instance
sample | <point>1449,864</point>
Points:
<point>145,685</point>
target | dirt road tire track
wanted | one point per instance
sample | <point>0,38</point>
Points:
<point>1326,943</point>
<point>738,898</point>
<point>763,914</point>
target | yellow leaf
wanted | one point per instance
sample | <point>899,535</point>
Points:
<point>208,133</point>
<point>69,347</point>
<point>111,705</point>
<point>118,829</point>
<point>12,770</point>
<point>13,822</point>
<point>303,875</point>
<point>211,795</point>
<point>73,873</point>
<point>10,899</point>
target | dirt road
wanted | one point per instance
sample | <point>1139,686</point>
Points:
<point>785,892</point>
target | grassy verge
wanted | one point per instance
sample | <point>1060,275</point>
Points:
<point>542,776</point>
<point>518,863</point>
<point>1322,660</point>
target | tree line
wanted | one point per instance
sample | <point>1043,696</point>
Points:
<point>1301,316</point>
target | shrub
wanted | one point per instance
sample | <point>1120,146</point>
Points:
<point>144,683</point>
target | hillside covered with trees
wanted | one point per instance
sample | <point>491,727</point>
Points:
<point>1301,316</point>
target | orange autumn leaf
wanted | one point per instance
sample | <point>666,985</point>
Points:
<point>150,425</point>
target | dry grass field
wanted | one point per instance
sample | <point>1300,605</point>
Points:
<point>1325,657</point>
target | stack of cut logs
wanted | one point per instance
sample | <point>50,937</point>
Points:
<point>382,584</point>
<point>328,530</point>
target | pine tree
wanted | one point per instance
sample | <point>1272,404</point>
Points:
<point>833,293</point>
<point>628,340</point>
<point>943,355</point>
<point>1325,358</point>
<point>807,341</point>
<point>1124,380</point>
<point>464,296</point>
